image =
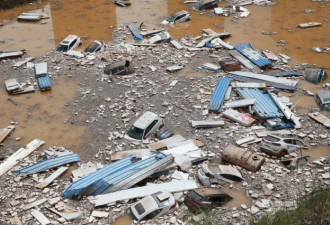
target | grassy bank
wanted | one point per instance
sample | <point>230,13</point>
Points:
<point>8,4</point>
<point>312,210</point>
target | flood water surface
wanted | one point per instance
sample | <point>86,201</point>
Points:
<point>123,220</point>
<point>43,115</point>
<point>97,19</point>
<point>318,151</point>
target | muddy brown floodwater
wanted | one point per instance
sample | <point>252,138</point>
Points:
<point>42,115</point>
<point>98,18</point>
<point>317,151</point>
<point>123,220</point>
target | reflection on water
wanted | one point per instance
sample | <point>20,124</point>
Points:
<point>98,18</point>
<point>42,115</point>
<point>123,220</point>
<point>318,151</point>
<point>239,197</point>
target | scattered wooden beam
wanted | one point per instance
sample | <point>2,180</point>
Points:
<point>52,177</point>
<point>40,217</point>
<point>19,155</point>
<point>4,132</point>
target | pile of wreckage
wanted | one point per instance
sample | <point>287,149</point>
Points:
<point>255,102</point>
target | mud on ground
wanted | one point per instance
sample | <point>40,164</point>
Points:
<point>89,112</point>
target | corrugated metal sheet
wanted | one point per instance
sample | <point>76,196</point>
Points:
<point>76,188</point>
<point>219,95</point>
<point>131,175</point>
<point>284,74</point>
<point>49,163</point>
<point>254,56</point>
<point>44,83</point>
<point>264,106</point>
<point>268,83</point>
<point>244,61</point>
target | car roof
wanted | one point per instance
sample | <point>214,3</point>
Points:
<point>324,96</point>
<point>143,121</point>
<point>149,204</point>
<point>69,39</point>
<point>208,191</point>
<point>179,13</point>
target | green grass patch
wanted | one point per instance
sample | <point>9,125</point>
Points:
<point>312,210</point>
<point>8,4</point>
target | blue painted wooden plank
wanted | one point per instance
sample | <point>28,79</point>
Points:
<point>135,31</point>
<point>49,163</point>
<point>254,56</point>
<point>218,96</point>
<point>284,74</point>
<point>244,61</point>
<point>44,83</point>
<point>264,107</point>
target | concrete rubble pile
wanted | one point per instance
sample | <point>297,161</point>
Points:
<point>175,84</point>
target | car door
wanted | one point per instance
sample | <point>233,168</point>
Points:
<point>298,144</point>
<point>290,145</point>
<point>152,214</point>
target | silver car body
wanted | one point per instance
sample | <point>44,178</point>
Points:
<point>218,174</point>
<point>69,43</point>
<point>145,125</point>
<point>280,146</point>
<point>176,17</point>
<point>152,206</point>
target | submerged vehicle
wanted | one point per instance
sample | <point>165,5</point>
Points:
<point>144,126</point>
<point>177,17</point>
<point>69,43</point>
<point>160,38</point>
<point>205,197</point>
<point>152,206</point>
<point>207,4</point>
<point>322,98</point>
<point>315,76</point>
<point>95,46</point>
<point>218,174</point>
<point>278,146</point>
<point>119,68</point>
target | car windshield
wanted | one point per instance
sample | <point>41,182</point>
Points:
<point>139,208</point>
<point>172,17</point>
<point>271,138</point>
<point>62,48</point>
<point>92,47</point>
<point>135,133</point>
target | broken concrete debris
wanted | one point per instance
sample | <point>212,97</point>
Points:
<point>134,94</point>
